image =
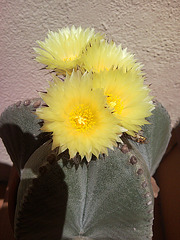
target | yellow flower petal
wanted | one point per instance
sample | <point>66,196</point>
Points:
<point>62,50</point>
<point>127,97</point>
<point>78,118</point>
<point>106,56</point>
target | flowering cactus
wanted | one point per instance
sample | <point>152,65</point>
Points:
<point>87,149</point>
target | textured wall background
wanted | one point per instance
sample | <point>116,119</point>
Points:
<point>149,29</point>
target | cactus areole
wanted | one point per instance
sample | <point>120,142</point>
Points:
<point>87,149</point>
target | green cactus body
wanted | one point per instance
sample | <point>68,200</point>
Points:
<point>108,198</point>
<point>20,131</point>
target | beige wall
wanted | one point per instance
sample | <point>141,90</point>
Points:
<point>150,29</point>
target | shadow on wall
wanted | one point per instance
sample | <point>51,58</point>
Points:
<point>167,207</point>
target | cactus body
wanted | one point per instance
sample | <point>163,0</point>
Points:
<point>20,130</point>
<point>109,198</point>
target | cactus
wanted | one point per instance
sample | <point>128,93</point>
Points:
<point>107,198</point>
<point>69,189</point>
<point>20,130</point>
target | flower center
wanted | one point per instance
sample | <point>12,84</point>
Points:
<point>82,118</point>
<point>115,102</point>
<point>69,58</point>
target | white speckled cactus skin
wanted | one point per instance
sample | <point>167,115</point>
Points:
<point>109,198</point>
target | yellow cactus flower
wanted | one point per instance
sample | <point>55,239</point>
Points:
<point>62,50</point>
<point>106,56</point>
<point>127,97</point>
<point>78,117</point>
